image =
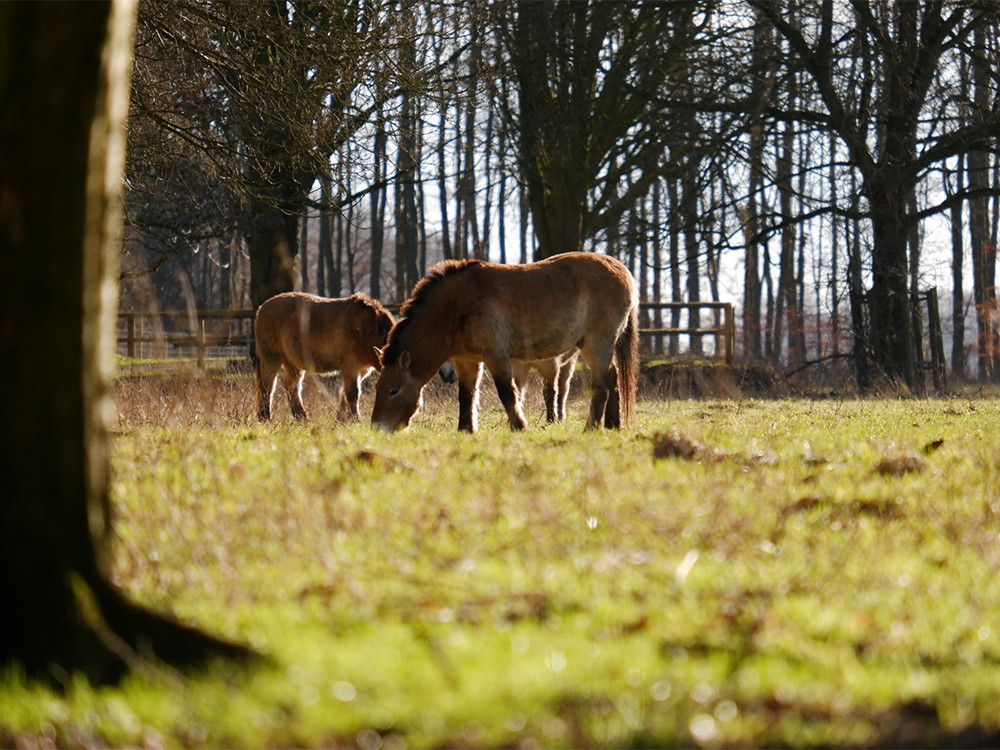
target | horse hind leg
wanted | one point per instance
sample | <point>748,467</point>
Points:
<point>549,370</point>
<point>267,375</point>
<point>552,401</point>
<point>603,385</point>
<point>293,385</point>
<point>566,369</point>
<point>612,411</point>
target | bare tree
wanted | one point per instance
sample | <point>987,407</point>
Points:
<point>594,84</point>
<point>60,609</point>
<point>879,124</point>
<point>244,104</point>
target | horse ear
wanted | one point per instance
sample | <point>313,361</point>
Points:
<point>378,354</point>
<point>404,360</point>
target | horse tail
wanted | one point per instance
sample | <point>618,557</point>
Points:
<point>627,353</point>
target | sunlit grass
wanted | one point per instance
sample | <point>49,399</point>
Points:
<point>817,573</point>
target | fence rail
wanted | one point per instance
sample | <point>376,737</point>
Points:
<point>724,330</point>
<point>144,334</point>
<point>170,333</point>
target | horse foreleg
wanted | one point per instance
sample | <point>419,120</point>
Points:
<point>468,394</point>
<point>350,394</point>
<point>503,378</point>
<point>293,384</point>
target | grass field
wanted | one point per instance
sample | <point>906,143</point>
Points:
<point>733,573</point>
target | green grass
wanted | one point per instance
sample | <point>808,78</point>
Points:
<point>808,577</point>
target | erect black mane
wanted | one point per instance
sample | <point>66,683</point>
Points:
<point>423,290</point>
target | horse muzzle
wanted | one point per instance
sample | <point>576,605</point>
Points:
<point>386,427</point>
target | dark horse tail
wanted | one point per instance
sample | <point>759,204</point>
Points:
<point>627,354</point>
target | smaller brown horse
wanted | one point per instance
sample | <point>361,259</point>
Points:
<point>305,333</point>
<point>477,313</point>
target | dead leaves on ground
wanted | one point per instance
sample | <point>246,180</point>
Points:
<point>676,444</point>
<point>897,466</point>
<point>377,461</point>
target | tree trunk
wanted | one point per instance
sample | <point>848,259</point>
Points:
<point>272,243</point>
<point>675,261</point>
<point>304,253</point>
<point>764,83</point>
<point>378,201</point>
<point>834,258</point>
<point>55,518</point>
<point>523,215</point>
<point>471,243</point>
<point>984,252</point>
<point>657,260</point>
<point>857,297</point>
<point>326,277</point>
<point>958,358</point>
<point>446,248</point>
<point>689,214</point>
<point>405,193</point>
<point>891,324</point>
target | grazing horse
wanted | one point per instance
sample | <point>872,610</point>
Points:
<point>305,333</point>
<point>477,313</point>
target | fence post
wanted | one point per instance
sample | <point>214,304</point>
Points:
<point>730,334</point>
<point>130,335</point>
<point>937,340</point>
<point>200,342</point>
<point>917,323</point>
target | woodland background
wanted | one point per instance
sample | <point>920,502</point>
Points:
<point>817,162</point>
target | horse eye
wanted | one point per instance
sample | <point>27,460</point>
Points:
<point>394,392</point>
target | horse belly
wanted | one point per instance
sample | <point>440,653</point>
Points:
<point>309,353</point>
<point>329,354</point>
<point>545,341</point>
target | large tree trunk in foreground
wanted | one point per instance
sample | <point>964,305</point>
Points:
<point>63,98</point>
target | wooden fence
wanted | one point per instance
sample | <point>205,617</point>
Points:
<point>172,333</point>
<point>227,332</point>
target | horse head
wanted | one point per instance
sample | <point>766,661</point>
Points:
<point>398,395</point>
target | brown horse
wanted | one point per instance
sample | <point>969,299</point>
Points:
<point>477,313</point>
<point>305,333</point>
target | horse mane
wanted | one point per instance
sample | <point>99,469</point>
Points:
<point>424,290</point>
<point>364,299</point>
<point>383,318</point>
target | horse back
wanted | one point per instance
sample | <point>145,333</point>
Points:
<point>543,309</point>
<point>322,334</point>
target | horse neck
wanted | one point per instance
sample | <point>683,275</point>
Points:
<point>428,338</point>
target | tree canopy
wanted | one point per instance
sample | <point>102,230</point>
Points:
<point>789,154</point>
